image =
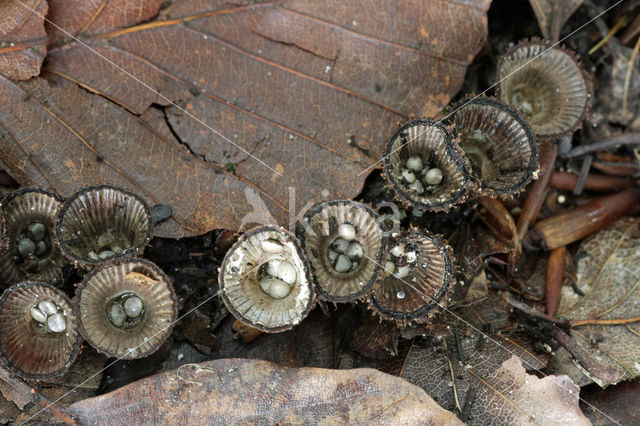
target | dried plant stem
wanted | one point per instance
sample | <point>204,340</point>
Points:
<point>584,358</point>
<point>616,169</point>
<point>534,200</point>
<point>566,181</point>
<point>453,376</point>
<point>623,139</point>
<point>616,321</point>
<point>617,27</point>
<point>247,333</point>
<point>30,394</point>
<point>502,224</point>
<point>632,30</point>
<point>555,276</point>
<point>572,225</point>
<point>627,78</point>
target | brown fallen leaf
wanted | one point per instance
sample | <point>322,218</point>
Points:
<point>23,41</point>
<point>460,368</point>
<point>313,89</point>
<point>82,18</point>
<point>552,400</point>
<point>236,391</point>
<point>464,376</point>
<point>552,14</point>
<point>608,273</point>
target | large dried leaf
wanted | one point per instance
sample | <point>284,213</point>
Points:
<point>466,369</point>
<point>552,14</point>
<point>312,88</point>
<point>23,41</point>
<point>84,18</point>
<point>608,272</point>
<point>233,391</point>
<point>476,384</point>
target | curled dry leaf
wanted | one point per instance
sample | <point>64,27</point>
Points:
<point>311,88</point>
<point>236,391</point>
<point>552,14</point>
<point>465,376</point>
<point>608,273</point>
<point>552,400</point>
<point>23,41</point>
<point>463,369</point>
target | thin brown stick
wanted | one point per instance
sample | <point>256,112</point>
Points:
<point>616,169</point>
<point>453,376</point>
<point>623,139</point>
<point>627,78</point>
<point>583,357</point>
<point>555,276</point>
<point>617,321</point>
<point>573,225</point>
<point>566,181</point>
<point>503,224</point>
<point>535,199</point>
<point>30,394</point>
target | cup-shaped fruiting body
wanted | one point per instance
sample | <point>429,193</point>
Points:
<point>547,84</point>
<point>126,310</point>
<point>344,243</point>
<point>264,280</point>
<point>30,252</point>
<point>418,275</point>
<point>103,223</point>
<point>39,337</point>
<point>499,143</point>
<point>426,167</point>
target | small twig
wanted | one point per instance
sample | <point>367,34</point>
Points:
<point>617,321</point>
<point>566,181</point>
<point>528,310</point>
<point>468,403</point>
<point>627,77</point>
<point>575,224</point>
<point>583,357</point>
<point>535,199</point>
<point>617,27</point>
<point>453,376</point>
<point>623,139</point>
<point>459,349</point>
<point>584,173</point>
<point>31,395</point>
<point>555,276</point>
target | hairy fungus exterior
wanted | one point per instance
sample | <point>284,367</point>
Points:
<point>101,224</point>
<point>344,243</point>
<point>499,143</point>
<point>265,281</point>
<point>39,337</point>
<point>425,167</point>
<point>126,310</point>
<point>547,84</point>
<point>418,276</point>
<point>30,252</point>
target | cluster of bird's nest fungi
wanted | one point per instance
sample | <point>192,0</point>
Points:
<point>270,279</point>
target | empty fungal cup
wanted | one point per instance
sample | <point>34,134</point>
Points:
<point>30,252</point>
<point>103,223</point>
<point>425,167</point>
<point>547,84</point>
<point>499,143</point>
<point>344,242</point>
<point>264,280</point>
